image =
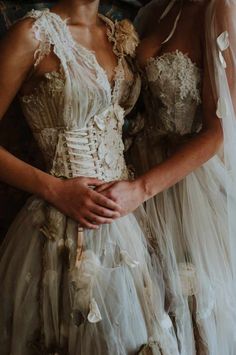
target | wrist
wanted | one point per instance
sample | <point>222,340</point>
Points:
<point>50,188</point>
<point>145,187</point>
<point>142,186</point>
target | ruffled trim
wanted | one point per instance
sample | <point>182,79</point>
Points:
<point>41,35</point>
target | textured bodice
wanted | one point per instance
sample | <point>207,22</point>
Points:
<point>172,95</point>
<point>76,114</point>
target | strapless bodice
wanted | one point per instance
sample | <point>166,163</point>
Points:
<point>172,94</point>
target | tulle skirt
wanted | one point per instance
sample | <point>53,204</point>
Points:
<point>192,241</point>
<point>70,291</point>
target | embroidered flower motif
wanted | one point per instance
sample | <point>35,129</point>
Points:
<point>94,315</point>
<point>82,279</point>
<point>99,122</point>
<point>223,44</point>
<point>125,38</point>
<point>166,321</point>
<point>108,128</point>
<point>222,109</point>
<point>128,260</point>
<point>56,82</point>
<point>223,41</point>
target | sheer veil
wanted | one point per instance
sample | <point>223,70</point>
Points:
<point>215,260</point>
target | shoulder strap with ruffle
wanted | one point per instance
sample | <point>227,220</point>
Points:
<point>50,30</point>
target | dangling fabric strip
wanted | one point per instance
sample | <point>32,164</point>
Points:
<point>167,9</point>
<point>80,240</point>
<point>165,13</point>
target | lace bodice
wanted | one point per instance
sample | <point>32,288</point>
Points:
<point>75,114</point>
<point>172,94</point>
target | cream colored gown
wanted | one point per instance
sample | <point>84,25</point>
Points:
<point>189,219</point>
<point>65,290</point>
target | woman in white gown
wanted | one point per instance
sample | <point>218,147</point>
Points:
<point>185,154</point>
<point>67,286</point>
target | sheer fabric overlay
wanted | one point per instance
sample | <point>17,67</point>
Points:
<point>65,290</point>
<point>194,220</point>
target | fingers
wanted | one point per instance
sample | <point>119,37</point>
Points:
<point>105,202</point>
<point>86,224</point>
<point>104,212</point>
<point>93,221</point>
<point>93,182</point>
<point>105,186</point>
<point>82,180</point>
<point>92,216</point>
<point>98,220</point>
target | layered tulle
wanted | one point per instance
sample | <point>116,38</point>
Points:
<point>67,290</point>
<point>196,217</point>
<point>56,297</point>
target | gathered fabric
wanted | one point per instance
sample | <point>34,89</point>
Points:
<point>194,220</point>
<point>64,289</point>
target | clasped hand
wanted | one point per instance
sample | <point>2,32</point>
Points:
<point>91,202</point>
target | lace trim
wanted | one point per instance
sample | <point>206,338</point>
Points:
<point>51,33</point>
<point>187,72</point>
<point>57,34</point>
<point>44,44</point>
<point>41,35</point>
<point>118,80</point>
<point>53,81</point>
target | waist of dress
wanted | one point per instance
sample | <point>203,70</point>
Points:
<point>97,150</point>
<point>158,135</point>
<point>162,143</point>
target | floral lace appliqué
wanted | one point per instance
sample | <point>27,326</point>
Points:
<point>174,81</point>
<point>176,68</point>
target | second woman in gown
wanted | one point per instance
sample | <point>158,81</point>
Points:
<point>185,156</point>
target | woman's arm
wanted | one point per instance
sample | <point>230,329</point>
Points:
<point>191,155</point>
<point>186,158</point>
<point>73,197</point>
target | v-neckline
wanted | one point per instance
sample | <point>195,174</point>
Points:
<point>90,52</point>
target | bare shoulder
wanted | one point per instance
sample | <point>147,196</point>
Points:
<point>198,8</point>
<point>20,38</point>
<point>147,18</point>
<point>195,13</point>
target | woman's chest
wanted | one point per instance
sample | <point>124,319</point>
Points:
<point>168,36</point>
